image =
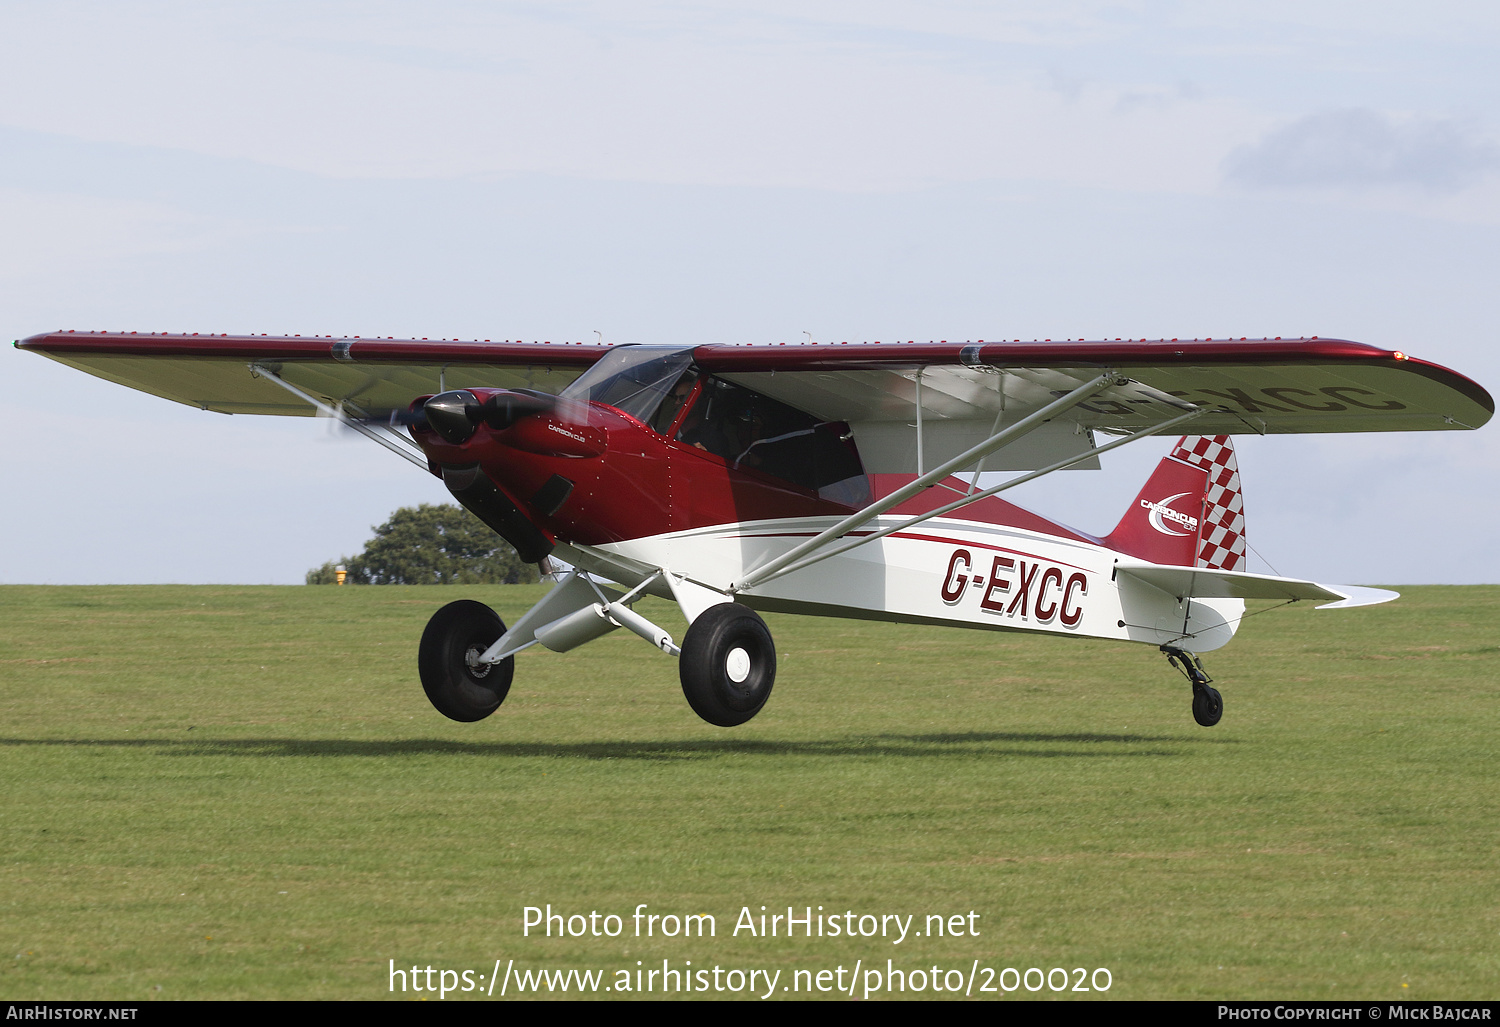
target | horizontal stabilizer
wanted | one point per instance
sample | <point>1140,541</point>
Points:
<point>1208,583</point>
<point>1360,595</point>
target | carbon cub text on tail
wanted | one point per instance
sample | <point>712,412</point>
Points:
<point>1190,512</point>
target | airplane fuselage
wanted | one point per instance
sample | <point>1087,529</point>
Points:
<point>614,493</point>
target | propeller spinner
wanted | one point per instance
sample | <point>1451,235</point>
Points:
<point>456,414</point>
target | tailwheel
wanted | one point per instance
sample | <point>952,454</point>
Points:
<point>728,664</point>
<point>458,685</point>
<point>1208,704</point>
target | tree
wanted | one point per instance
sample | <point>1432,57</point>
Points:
<point>431,545</point>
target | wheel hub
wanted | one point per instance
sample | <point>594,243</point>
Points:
<point>477,667</point>
<point>737,665</point>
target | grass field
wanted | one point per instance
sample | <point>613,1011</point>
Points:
<point>224,792</point>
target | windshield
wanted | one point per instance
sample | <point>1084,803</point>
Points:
<point>633,379</point>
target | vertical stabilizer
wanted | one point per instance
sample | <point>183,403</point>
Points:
<point>1190,512</point>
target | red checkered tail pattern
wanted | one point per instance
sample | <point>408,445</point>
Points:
<point>1190,512</point>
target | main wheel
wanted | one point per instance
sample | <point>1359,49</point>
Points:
<point>455,681</point>
<point>1208,706</point>
<point>727,665</point>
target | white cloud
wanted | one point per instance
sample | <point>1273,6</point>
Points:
<point>840,95</point>
<point>1361,149</point>
<point>716,97</point>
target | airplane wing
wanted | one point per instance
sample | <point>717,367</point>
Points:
<point>214,372</point>
<point>967,390</point>
<point>960,393</point>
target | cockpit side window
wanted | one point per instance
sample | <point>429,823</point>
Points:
<point>756,432</point>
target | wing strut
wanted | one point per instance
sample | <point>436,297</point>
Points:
<point>999,416</point>
<point>405,452</point>
<point>976,496</point>
<point>921,451</point>
<point>901,495</point>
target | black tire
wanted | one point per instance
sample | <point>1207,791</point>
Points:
<point>709,665</point>
<point>1208,706</point>
<point>454,636</point>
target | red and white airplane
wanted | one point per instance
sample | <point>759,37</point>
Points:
<point>816,479</point>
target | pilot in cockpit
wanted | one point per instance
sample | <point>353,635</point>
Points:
<point>672,404</point>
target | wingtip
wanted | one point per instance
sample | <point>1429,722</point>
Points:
<point>1358,595</point>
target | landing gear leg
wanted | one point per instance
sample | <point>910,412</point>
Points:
<point>1208,704</point>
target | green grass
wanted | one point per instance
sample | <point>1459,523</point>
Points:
<point>223,792</point>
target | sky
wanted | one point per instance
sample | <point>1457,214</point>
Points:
<point>732,172</point>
